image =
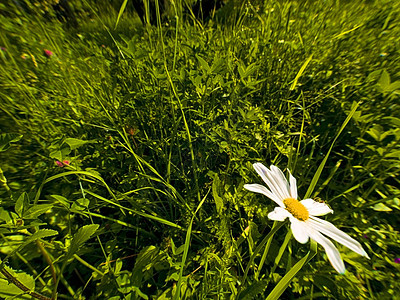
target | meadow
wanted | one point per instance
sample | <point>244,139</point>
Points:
<point>125,149</point>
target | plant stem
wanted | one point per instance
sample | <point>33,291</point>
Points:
<point>21,286</point>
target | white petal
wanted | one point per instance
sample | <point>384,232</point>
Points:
<point>298,230</point>
<point>275,185</point>
<point>281,181</point>
<point>316,208</point>
<point>293,186</point>
<point>330,249</point>
<point>279,214</point>
<point>333,232</point>
<point>258,188</point>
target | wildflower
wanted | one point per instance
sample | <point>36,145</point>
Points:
<point>48,53</point>
<point>3,49</point>
<point>302,214</point>
<point>63,163</point>
<point>397,260</point>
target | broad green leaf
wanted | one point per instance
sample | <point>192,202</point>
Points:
<point>7,138</point>
<point>36,210</point>
<point>203,64</point>
<point>76,143</point>
<point>59,154</point>
<point>80,204</point>
<point>381,207</point>
<point>384,80</point>
<point>80,237</point>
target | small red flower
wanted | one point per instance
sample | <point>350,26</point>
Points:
<point>397,260</point>
<point>63,163</point>
<point>48,53</point>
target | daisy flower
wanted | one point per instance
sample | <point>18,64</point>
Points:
<point>302,214</point>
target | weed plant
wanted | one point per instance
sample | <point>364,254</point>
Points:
<point>125,148</point>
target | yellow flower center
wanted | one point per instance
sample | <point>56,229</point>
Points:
<point>298,210</point>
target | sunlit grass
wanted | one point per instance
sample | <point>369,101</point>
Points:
<point>160,126</point>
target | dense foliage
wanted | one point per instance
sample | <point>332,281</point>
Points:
<point>125,147</point>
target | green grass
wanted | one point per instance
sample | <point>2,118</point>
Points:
<point>161,125</point>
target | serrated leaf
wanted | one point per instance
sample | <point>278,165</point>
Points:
<point>11,291</point>
<point>40,234</point>
<point>7,138</point>
<point>36,210</point>
<point>80,237</point>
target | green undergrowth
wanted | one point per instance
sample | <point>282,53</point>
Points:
<point>125,152</point>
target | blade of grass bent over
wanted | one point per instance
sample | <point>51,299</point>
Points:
<point>301,71</point>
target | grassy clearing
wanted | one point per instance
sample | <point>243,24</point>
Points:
<point>158,126</point>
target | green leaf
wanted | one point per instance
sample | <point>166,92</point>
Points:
<point>76,143</point>
<point>21,204</point>
<point>7,138</point>
<point>253,290</point>
<point>322,165</point>
<point>36,210</point>
<point>64,201</point>
<point>381,207</point>
<point>10,290</point>
<point>219,203</point>
<point>301,71</point>
<point>384,81</point>
<point>40,234</point>
<point>186,251</point>
<point>121,11</point>
<point>285,281</point>
<point>144,260</point>
<point>80,237</point>
<point>203,64</point>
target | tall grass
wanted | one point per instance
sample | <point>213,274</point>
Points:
<point>159,125</point>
